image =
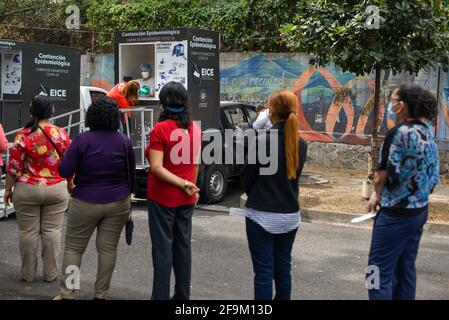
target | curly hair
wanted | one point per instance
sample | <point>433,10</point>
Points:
<point>103,114</point>
<point>421,103</point>
<point>174,95</point>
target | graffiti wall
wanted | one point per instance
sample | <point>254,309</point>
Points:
<point>443,116</point>
<point>334,106</point>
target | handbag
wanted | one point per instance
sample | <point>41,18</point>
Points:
<point>129,227</point>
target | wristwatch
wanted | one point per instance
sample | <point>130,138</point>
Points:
<point>186,184</point>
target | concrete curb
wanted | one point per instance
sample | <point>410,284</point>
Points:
<point>345,218</point>
<point>308,215</point>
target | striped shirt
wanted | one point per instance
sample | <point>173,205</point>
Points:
<point>275,223</point>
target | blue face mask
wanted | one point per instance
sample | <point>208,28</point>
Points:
<point>391,114</point>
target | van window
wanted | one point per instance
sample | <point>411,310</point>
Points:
<point>251,114</point>
<point>94,95</point>
<point>235,116</point>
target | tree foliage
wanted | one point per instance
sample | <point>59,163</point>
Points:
<point>41,21</point>
<point>412,35</point>
<point>245,25</point>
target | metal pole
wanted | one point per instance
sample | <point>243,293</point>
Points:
<point>127,126</point>
<point>142,136</point>
<point>70,124</point>
<point>438,100</point>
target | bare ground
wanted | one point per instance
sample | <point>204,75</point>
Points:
<point>343,193</point>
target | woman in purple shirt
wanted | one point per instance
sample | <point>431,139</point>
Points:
<point>103,163</point>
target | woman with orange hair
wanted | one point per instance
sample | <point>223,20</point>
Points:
<point>125,95</point>
<point>272,208</point>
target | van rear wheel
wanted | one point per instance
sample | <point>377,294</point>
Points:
<point>215,184</point>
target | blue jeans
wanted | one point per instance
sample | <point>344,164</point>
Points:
<point>394,248</point>
<point>271,255</point>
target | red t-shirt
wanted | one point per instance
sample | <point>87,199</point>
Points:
<point>180,153</point>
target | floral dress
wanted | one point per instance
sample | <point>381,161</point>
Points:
<point>34,160</point>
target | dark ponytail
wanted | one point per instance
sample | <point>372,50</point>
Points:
<point>175,104</point>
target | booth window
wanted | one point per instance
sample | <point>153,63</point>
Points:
<point>137,60</point>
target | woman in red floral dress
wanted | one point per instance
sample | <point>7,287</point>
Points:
<point>40,195</point>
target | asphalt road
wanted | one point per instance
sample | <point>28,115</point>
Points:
<point>328,263</point>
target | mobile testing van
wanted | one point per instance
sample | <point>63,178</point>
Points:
<point>185,55</point>
<point>189,56</point>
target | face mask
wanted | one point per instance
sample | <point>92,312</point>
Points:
<point>145,75</point>
<point>391,114</point>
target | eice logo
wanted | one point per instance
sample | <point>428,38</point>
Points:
<point>207,72</point>
<point>58,93</point>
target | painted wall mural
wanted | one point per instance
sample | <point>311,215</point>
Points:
<point>443,116</point>
<point>334,106</point>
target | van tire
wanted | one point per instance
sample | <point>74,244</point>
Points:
<point>214,184</point>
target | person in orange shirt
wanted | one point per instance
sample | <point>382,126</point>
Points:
<point>125,95</point>
<point>3,146</point>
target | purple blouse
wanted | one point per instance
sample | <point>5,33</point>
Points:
<point>98,160</point>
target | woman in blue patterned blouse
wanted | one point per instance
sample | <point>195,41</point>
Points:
<point>408,171</point>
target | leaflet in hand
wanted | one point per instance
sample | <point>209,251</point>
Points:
<point>364,217</point>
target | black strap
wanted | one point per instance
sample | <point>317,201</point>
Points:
<point>52,143</point>
<point>130,224</point>
<point>128,171</point>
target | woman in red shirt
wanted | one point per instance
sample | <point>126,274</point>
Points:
<point>173,153</point>
<point>40,194</point>
<point>3,146</point>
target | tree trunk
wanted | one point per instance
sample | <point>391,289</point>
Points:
<point>375,143</point>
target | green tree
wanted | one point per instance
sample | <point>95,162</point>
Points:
<point>410,36</point>
<point>42,21</point>
<point>245,25</point>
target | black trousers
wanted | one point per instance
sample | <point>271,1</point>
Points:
<point>171,232</point>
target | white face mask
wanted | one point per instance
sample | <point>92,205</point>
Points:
<point>145,75</point>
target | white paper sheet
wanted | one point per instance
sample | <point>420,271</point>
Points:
<point>239,212</point>
<point>364,217</point>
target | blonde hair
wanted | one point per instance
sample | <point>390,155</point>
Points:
<point>283,106</point>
